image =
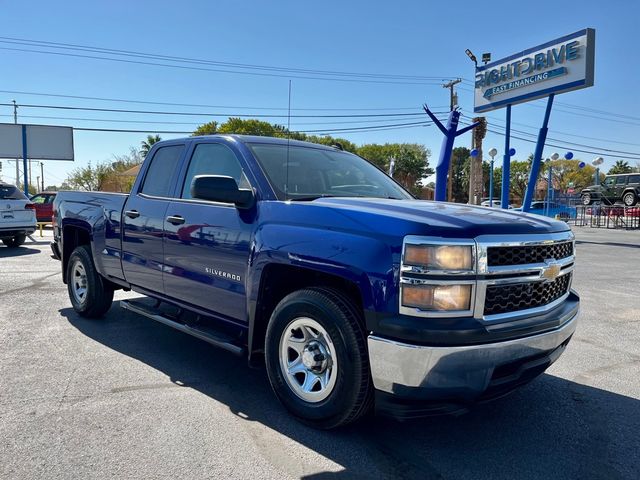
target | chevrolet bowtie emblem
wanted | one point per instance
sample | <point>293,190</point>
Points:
<point>550,271</point>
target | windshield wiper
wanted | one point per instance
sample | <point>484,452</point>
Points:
<point>308,198</point>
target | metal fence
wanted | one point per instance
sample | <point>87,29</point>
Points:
<point>607,216</point>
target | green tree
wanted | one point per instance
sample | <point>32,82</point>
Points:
<point>620,166</point>
<point>88,178</point>
<point>460,159</point>
<point>146,145</point>
<point>568,174</point>
<point>251,126</point>
<point>411,161</point>
<point>519,178</point>
<point>206,129</point>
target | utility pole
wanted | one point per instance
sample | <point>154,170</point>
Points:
<point>452,95</point>
<point>453,100</point>
<point>42,176</point>
<point>15,120</point>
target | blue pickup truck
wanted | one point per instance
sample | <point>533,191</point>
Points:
<point>312,262</point>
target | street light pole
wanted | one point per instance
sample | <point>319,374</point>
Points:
<point>492,153</point>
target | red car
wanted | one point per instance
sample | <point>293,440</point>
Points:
<point>44,205</point>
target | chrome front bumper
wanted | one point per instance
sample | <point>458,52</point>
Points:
<point>463,372</point>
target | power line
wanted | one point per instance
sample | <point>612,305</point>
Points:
<point>620,117</point>
<point>131,53</point>
<point>209,114</point>
<point>218,70</point>
<point>151,122</point>
<point>533,127</point>
<point>199,105</point>
<point>581,149</point>
<point>601,149</point>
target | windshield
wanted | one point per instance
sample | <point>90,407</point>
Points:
<point>9,192</point>
<point>315,173</point>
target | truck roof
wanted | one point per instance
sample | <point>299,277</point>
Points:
<point>270,140</point>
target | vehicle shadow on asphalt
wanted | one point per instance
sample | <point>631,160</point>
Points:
<point>6,252</point>
<point>552,428</point>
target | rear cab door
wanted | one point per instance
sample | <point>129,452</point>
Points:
<point>143,217</point>
<point>207,244</point>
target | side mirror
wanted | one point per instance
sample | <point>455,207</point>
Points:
<point>221,188</point>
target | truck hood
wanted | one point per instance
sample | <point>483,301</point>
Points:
<point>437,218</point>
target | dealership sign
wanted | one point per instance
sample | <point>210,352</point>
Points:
<point>558,66</point>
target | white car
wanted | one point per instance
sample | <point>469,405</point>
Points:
<point>496,203</point>
<point>17,216</point>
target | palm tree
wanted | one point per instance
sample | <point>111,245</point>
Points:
<point>148,143</point>
<point>620,167</point>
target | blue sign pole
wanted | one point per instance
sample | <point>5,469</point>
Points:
<point>24,160</point>
<point>506,162</point>
<point>537,157</point>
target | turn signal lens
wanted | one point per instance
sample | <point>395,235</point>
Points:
<point>437,297</point>
<point>440,257</point>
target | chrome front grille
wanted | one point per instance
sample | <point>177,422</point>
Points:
<point>514,277</point>
<point>522,296</point>
<point>527,254</point>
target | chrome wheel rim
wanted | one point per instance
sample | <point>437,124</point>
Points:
<point>79,282</point>
<point>628,200</point>
<point>308,360</point>
<point>586,199</point>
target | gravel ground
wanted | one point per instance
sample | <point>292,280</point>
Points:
<point>126,397</point>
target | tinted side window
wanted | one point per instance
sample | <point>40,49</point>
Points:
<point>634,179</point>
<point>621,180</point>
<point>609,181</point>
<point>162,171</point>
<point>213,159</point>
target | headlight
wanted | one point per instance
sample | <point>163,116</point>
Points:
<point>437,297</point>
<point>439,257</point>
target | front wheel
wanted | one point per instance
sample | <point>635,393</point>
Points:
<point>586,199</point>
<point>90,295</point>
<point>15,241</point>
<point>629,199</point>
<point>317,359</point>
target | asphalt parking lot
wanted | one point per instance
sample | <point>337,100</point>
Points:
<point>125,397</point>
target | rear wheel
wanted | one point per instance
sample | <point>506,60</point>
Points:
<point>586,199</point>
<point>15,241</point>
<point>629,199</point>
<point>91,296</point>
<point>317,359</point>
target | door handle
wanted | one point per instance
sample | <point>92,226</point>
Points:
<point>175,219</point>
<point>132,213</point>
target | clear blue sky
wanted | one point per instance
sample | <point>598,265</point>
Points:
<point>402,38</point>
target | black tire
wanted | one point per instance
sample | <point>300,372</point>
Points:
<point>629,199</point>
<point>351,396</point>
<point>15,241</point>
<point>98,294</point>
<point>586,199</point>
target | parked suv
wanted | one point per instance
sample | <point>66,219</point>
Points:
<point>17,216</point>
<point>623,188</point>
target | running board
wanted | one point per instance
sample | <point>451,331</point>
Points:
<point>215,340</point>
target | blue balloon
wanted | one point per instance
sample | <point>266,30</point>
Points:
<point>569,156</point>
<point>581,164</point>
<point>512,152</point>
<point>474,153</point>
